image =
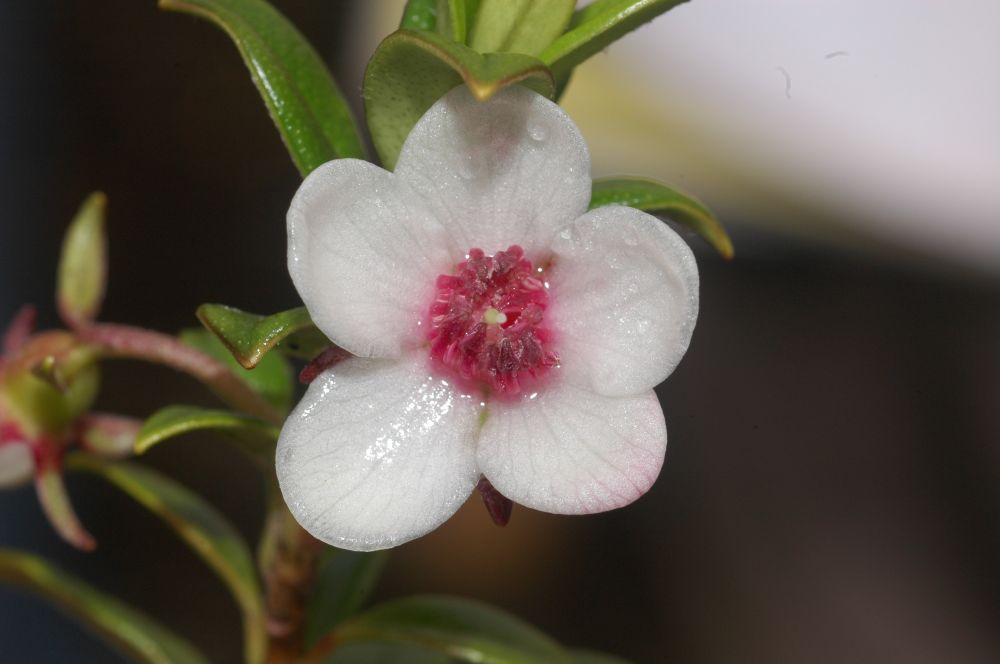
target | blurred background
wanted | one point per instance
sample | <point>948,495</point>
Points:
<point>831,487</point>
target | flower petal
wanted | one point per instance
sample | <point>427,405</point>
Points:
<point>109,436</point>
<point>377,453</point>
<point>364,256</point>
<point>624,300</point>
<point>571,451</point>
<point>16,464</point>
<point>511,170</point>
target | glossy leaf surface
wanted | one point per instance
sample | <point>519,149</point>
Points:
<point>344,581</point>
<point>519,26</point>
<point>654,197</point>
<point>419,15</point>
<point>596,26</point>
<point>255,437</point>
<point>461,628</point>
<point>127,629</point>
<point>304,101</point>
<point>271,378</point>
<point>249,337</point>
<point>411,70</point>
<point>83,265</point>
<point>203,528</point>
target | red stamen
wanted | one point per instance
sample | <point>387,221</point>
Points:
<point>485,323</point>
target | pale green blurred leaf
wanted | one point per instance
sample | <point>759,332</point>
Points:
<point>344,581</point>
<point>519,26</point>
<point>127,629</point>
<point>203,528</point>
<point>83,265</point>
<point>255,437</point>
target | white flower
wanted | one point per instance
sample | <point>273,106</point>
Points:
<point>501,329</point>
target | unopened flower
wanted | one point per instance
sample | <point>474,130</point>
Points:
<point>502,331</point>
<point>48,382</point>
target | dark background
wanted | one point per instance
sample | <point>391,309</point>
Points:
<point>830,492</point>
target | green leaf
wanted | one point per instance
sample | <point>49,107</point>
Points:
<point>127,629</point>
<point>654,197</point>
<point>593,657</point>
<point>461,628</point>
<point>249,337</point>
<point>596,26</point>
<point>344,581</point>
<point>255,437</point>
<point>451,20</point>
<point>271,378</point>
<point>304,101</point>
<point>83,266</point>
<point>519,26</point>
<point>203,528</point>
<point>419,15</point>
<point>411,70</point>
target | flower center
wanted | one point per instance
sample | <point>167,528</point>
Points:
<point>486,322</point>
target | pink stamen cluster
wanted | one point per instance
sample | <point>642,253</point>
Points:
<point>486,322</point>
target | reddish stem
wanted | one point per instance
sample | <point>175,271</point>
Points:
<point>321,363</point>
<point>125,341</point>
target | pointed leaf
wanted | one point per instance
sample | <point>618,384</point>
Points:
<point>655,197</point>
<point>462,628</point>
<point>596,26</point>
<point>272,378</point>
<point>344,582</point>
<point>203,528</point>
<point>411,70</point>
<point>83,266</point>
<point>250,336</point>
<point>51,489</point>
<point>127,629</point>
<point>519,26</point>
<point>304,101</point>
<point>255,437</point>
<point>419,15</point>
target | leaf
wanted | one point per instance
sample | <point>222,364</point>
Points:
<point>451,20</point>
<point>255,437</point>
<point>271,378</point>
<point>304,101</point>
<point>344,581</point>
<point>203,528</point>
<point>51,489</point>
<point>519,26</point>
<point>411,70</point>
<point>654,197</point>
<point>249,337</point>
<point>461,628</point>
<point>419,15</point>
<point>83,265</point>
<point>127,629</point>
<point>596,26</point>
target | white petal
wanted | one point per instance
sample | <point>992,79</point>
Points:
<point>624,300</point>
<point>364,256</point>
<point>570,451</point>
<point>377,453</point>
<point>511,170</point>
<point>16,464</point>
